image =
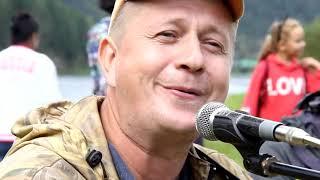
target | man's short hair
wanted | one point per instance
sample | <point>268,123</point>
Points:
<point>22,27</point>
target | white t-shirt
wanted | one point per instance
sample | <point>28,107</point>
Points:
<point>28,79</point>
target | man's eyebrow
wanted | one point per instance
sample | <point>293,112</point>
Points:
<point>207,29</point>
<point>213,29</point>
<point>180,22</point>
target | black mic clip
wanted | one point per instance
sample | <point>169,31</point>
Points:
<point>268,166</point>
<point>252,160</point>
<point>259,164</point>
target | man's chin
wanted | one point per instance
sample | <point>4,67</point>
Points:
<point>182,125</point>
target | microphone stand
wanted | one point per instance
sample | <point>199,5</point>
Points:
<point>267,165</point>
<point>264,165</point>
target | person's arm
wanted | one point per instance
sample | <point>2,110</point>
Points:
<point>95,74</point>
<point>251,99</point>
<point>95,35</point>
<point>312,75</point>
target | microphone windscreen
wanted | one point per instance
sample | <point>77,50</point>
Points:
<point>203,122</point>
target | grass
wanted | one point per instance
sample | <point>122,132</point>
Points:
<point>225,148</point>
<point>233,102</point>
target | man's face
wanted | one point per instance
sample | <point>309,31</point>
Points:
<point>174,57</point>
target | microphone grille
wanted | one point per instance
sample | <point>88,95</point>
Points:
<point>203,124</point>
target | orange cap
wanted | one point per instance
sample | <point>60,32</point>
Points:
<point>235,6</point>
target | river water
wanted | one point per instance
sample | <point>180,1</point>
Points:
<point>76,87</point>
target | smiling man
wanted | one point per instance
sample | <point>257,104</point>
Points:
<point>164,59</point>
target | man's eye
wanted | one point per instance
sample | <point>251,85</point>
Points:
<point>215,47</point>
<point>169,34</point>
<point>167,37</point>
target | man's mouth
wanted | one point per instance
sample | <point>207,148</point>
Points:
<point>186,90</point>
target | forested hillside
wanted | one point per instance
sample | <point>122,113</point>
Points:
<point>259,15</point>
<point>63,28</point>
<point>64,24</point>
<point>86,7</point>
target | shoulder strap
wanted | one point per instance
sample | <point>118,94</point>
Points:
<point>263,85</point>
<point>266,72</point>
<point>305,80</point>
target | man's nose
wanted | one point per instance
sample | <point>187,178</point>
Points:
<point>191,58</point>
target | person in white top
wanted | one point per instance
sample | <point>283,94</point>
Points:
<point>28,78</point>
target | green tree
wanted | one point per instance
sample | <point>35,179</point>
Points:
<point>62,30</point>
<point>312,39</point>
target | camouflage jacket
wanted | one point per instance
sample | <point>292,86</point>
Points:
<point>53,142</point>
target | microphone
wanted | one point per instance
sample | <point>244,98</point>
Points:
<point>215,121</point>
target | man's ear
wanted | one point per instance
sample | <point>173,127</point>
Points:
<point>107,56</point>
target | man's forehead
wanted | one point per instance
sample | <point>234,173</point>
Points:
<point>180,17</point>
<point>235,7</point>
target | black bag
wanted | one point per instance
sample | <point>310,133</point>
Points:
<point>307,119</point>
